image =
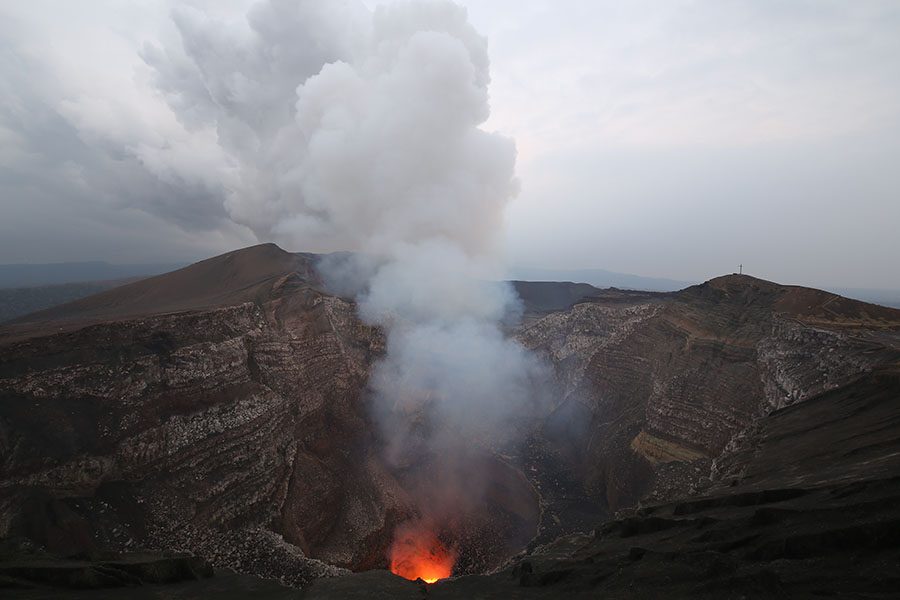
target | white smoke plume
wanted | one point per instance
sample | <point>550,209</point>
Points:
<point>327,127</point>
<point>344,129</point>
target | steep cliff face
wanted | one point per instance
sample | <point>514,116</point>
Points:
<point>232,427</point>
<point>667,381</point>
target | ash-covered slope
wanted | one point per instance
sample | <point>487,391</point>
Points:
<point>247,275</point>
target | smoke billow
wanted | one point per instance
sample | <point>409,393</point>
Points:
<point>326,127</point>
<point>351,130</point>
<point>343,129</point>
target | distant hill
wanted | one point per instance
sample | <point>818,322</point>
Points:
<point>605,279</point>
<point>28,275</point>
<point>549,296</point>
<point>600,278</point>
<point>26,288</point>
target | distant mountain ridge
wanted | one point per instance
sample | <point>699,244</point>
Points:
<point>600,278</point>
<point>100,275</point>
<point>29,275</point>
<point>883,297</point>
<point>15,302</point>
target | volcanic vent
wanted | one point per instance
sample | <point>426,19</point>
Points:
<point>473,512</point>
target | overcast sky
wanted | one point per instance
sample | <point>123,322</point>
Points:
<point>662,138</point>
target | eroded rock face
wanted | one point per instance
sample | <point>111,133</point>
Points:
<point>669,381</point>
<point>809,507</point>
<point>235,432</point>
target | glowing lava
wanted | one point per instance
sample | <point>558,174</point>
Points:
<point>417,553</point>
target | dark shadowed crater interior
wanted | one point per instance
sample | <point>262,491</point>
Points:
<point>481,505</point>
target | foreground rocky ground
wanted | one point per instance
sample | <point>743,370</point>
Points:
<point>220,410</point>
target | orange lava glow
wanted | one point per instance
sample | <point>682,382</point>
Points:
<point>417,553</point>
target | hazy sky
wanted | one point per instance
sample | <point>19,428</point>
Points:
<point>661,138</point>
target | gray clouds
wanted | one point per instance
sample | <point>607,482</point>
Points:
<point>85,160</point>
<point>337,128</point>
<point>648,132</point>
<point>679,139</point>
